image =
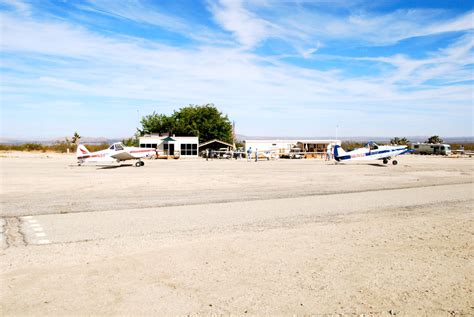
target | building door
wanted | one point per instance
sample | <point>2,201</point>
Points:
<point>171,149</point>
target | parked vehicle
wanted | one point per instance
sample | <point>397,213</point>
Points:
<point>431,149</point>
<point>294,153</point>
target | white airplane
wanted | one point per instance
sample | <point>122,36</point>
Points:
<point>371,151</point>
<point>116,153</point>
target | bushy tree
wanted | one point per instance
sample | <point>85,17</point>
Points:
<point>434,139</point>
<point>156,123</point>
<point>399,141</point>
<point>204,121</point>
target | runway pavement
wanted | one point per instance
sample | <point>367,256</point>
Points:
<point>90,226</point>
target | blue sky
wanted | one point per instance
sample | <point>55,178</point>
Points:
<point>281,68</point>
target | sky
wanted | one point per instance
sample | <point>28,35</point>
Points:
<point>275,67</point>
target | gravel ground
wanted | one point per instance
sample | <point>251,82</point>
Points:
<point>235,237</point>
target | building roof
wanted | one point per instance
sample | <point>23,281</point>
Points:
<point>215,141</point>
<point>166,139</point>
<point>288,141</point>
<point>169,139</point>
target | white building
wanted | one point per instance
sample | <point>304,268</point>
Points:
<point>184,146</point>
<point>313,148</point>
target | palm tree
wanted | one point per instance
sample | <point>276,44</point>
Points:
<point>75,139</point>
<point>434,139</point>
<point>398,141</point>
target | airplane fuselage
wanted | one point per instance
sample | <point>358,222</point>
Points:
<point>380,153</point>
<point>116,153</point>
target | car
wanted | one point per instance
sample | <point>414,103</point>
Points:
<point>294,153</point>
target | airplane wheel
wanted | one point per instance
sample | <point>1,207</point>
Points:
<point>385,161</point>
<point>394,162</point>
<point>142,163</point>
<point>138,164</point>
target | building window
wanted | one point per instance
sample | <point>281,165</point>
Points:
<point>188,149</point>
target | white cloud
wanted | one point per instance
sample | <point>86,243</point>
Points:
<point>310,51</point>
<point>446,66</point>
<point>247,27</point>
<point>291,22</point>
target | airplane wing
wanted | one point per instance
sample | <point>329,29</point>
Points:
<point>122,156</point>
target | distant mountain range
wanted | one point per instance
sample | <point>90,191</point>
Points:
<point>100,140</point>
<point>88,140</point>
<point>460,139</point>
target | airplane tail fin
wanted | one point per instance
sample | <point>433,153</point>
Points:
<point>82,150</point>
<point>338,152</point>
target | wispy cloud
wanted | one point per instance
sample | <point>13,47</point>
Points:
<point>137,11</point>
<point>448,65</point>
<point>142,12</point>
<point>247,27</point>
<point>17,5</point>
<point>291,19</point>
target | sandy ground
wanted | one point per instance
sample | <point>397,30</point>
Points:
<point>235,237</point>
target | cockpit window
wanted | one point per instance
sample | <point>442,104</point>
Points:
<point>372,146</point>
<point>111,147</point>
<point>118,147</point>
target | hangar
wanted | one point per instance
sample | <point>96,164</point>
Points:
<point>215,145</point>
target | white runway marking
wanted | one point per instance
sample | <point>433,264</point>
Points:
<point>39,234</point>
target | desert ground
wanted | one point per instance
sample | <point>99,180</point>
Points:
<point>197,237</point>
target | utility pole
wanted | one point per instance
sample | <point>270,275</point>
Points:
<point>233,135</point>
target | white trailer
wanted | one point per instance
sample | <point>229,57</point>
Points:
<point>431,149</point>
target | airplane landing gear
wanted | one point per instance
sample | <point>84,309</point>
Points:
<point>385,161</point>
<point>139,163</point>
<point>394,162</point>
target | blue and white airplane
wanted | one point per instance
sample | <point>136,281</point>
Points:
<point>371,151</point>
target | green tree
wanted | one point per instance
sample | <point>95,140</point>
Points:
<point>434,139</point>
<point>204,121</point>
<point>156,123</point>
<point>399,141</point>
